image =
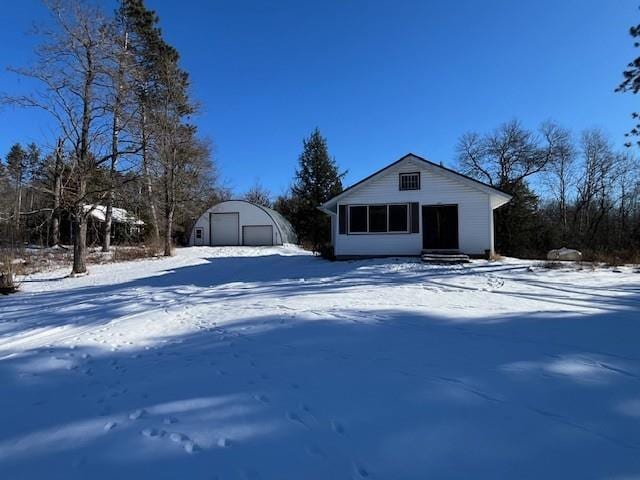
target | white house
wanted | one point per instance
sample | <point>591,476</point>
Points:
<point>238,222</point>
<point>411,206</point>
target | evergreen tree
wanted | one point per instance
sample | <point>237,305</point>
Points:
<point>517,223</point>
<point>631,83</point>
<point>17,160</point>
<point>317,180</point>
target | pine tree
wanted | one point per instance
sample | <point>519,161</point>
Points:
<point>16,167</point>
<point>317,180</point>
<point>517,222</point>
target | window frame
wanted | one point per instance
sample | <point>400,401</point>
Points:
<point>408,217</point>
<point>387,232</point>
<point>401,175</point>
<point>386,217</point>
<point>199,233</point>
<point>349,217</point>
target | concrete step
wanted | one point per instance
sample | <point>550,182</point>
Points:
<point>445,258</point>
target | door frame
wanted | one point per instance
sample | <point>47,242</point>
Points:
<point>198,242</point>
<point>237,214</point>
<point>424,229</point>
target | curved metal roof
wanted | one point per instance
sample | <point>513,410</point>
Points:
<point>287,232</point>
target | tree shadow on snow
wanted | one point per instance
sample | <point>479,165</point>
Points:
<point>388,395</point>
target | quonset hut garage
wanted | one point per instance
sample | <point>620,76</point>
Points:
<point>237,222</point>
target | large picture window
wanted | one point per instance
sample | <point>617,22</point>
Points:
<point>393,218</point>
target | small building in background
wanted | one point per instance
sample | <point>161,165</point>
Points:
<point>238,222</point>
<point>125,227</point>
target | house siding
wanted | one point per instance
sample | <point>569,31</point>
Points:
<point>474,212</point>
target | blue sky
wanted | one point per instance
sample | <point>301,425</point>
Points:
<point>379,78</point>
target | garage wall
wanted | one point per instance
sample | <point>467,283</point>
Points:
<point>249,215</point>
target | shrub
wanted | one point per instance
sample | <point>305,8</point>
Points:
<point>327,252</point>
<point>125,254</point>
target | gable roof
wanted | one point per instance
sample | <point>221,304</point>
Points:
<point>446,171</point>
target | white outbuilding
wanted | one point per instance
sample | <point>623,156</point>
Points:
<point>238,222</point>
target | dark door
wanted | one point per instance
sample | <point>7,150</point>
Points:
<point>440,227</point>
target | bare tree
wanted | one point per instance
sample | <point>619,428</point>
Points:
<point>57,171</point>
<point>121,74</point>
<point>508,155</point>
<point>595,183</point>
<point>71,69</point>
<point>258,194</point>
<point>561,171</point>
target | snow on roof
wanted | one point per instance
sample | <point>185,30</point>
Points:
<point>118,215</point>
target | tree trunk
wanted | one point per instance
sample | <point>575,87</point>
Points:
<point>106,226</point>
<point>115,138</point>
<point>147,180</point>
<point>85,167</point>
<point>79,245</point>
<point>18,210</point>
<point>57,196</point>
<point>170,201</point>
<point>80,232</point>
<point>168,244</point>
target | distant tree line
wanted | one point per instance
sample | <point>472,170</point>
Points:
<point>568,190</point>
<point>122,114</point>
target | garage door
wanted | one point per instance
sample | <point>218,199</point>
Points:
<point>257,235</point>
<point>225,228</point>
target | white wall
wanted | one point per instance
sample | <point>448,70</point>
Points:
<point>249,215</point>
<point>474,212</point>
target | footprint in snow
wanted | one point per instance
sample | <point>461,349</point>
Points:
<point>337,427</point>
<point>223,442</point>
<point>315,451</point>
<point>109,426</point>
<point>294,417</point>
<point>360,472</point>
<point>137,414</point>
<point>191,447</point>
<point>262,398</point>
<point>170,420</point>
<point>178,437</point>
<point>152,433</point>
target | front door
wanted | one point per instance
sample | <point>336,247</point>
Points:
<point>440,227</point>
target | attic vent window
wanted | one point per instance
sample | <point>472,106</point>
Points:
<point>410,181</point>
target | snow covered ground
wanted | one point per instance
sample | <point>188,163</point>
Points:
<point>268,363</point>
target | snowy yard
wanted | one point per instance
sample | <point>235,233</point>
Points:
<point>268,363</point>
